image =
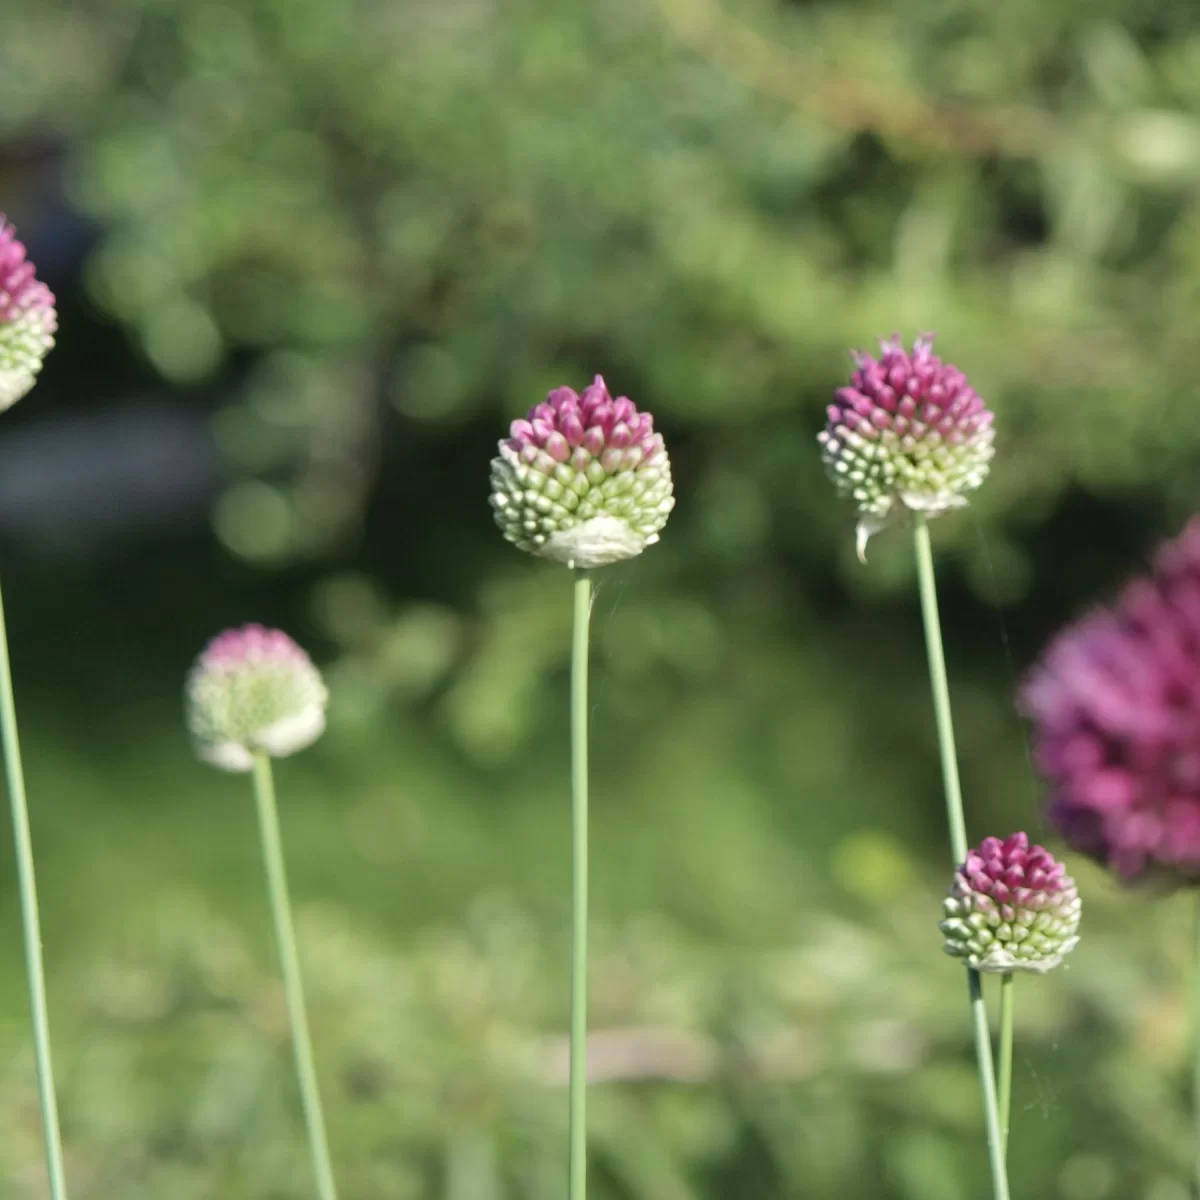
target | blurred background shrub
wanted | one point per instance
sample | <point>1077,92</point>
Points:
<point>311,258</point>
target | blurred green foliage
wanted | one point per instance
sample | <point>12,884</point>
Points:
<point>376,232</point>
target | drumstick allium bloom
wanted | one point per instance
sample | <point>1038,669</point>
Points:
<point>909,435</point>
<point>27,319</point>
<point>253,690</point>
<point>583,479</point>
<point>1115,707</point>
<point>1011,907</point>
<point>908,432</point>
<point>254,695</point>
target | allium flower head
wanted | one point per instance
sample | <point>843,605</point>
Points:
<point>909,431</point>
<point>27,320</point>
<point>1011,907</point>
<point>253,689</point>
<point>583,479</point>
<point>1115,706</point>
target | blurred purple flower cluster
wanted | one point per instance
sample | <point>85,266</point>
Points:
<point>1115,706</point>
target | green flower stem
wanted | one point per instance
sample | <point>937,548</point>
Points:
<point>958,841</point>
<point>1196,1065</point>
<point>285,936</point>
<point>27,886</point>
<point>941,691</point>
<point>577,1189</point>
<point>1004,1089</point>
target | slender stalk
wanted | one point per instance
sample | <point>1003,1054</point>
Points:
<point>958,840</point>
<point>987,1086</point>
<point>941,691</point>
<point>30,926</point>
<point>577,1188</point>
<point>1196,1065</point>
<point>285,936</point>
<point>1004,1087</point>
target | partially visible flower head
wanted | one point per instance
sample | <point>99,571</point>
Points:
<point>909,431</point>
<point>583,479</point>
<point>251,690</point>
<point>1011,907</point>
<point>1115,706</point>
<point>27,319</point>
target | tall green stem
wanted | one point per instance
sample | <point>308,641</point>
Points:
<point>27,887</point>
<point>577,1189</point>
<point>285,936</point>
<point>958,841</point>
<point>1196,1064</point>
<point>941,692</point>
<point>1004,1089</point>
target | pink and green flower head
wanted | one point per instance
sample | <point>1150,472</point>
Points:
<point>908,433</point>
<point>27,319</point>
<point>1115,707</point>
<point>1011,907</point>
<point>583,479</point>
<point>253,690</point>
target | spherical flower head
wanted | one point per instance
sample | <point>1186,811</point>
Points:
<point>253,690</point>
<point>1011,907</point>
<point>1115,707</point>
<point>908,433</point>
<point>27,320</point>
<point>583,479</point>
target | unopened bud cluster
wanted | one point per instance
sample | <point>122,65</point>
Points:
<point>253,690</point>
<point>1011,907</point>
<point>583,479</point>
<point>908,432</point>
<point>27,320</point>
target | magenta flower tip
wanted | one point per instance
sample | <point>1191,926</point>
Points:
<point>907,433</point>
<point>253,690</point>
<point>1114,703</point>
<point>583,479</point>
<point>1011,907</point>
<point>27,319</point>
